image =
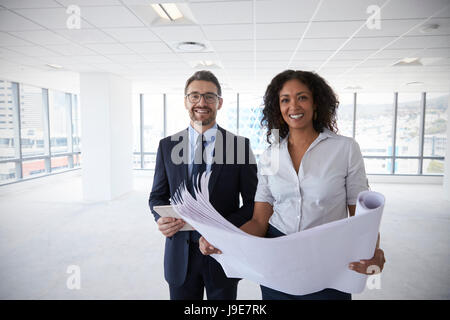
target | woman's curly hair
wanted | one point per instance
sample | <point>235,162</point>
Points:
<point>324,99</point>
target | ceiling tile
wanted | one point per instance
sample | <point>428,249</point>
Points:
<point>35,51</point>
<point>132,34</point>
<point>10,40</point>
<point>22,4</point>
<point>229,32</point>
<point>280,30</point>
<point>109,48</point>
<point>229,12</point>
<point>110,17</point>
<point>42,37</point>
<point>179,33</point>
<point>345,10</point>
<point>10,21</point>
<point>84,35</point>
<point>70,49</point>
<point>284,11</point>
<point>52,18</point>
<point>148,47</point>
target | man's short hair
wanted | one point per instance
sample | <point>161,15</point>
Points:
<point>204,75</point>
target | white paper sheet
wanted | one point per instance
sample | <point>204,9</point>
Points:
<point>299,263</point>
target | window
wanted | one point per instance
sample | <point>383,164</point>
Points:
<point>7,134</point>
<point>408,124</point>
<point>345,115</point>
<point>435,138</point>
<point>59,106</point>
<point>226,116</point>
<point>36,133</point>
<point>250,115</point>
<point>31,121</point>
<point>153,126</point>
<point>177,115</point>
<point>373,122</point>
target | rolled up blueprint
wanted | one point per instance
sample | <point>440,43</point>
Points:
<point>300,263</point>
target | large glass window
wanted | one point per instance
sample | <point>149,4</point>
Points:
<point>345,115</point>
<point>374,127</point>
<point>7,119</point>
<point>59,107</point>
<point>374,115</point>
<point>31,121</point>
<point>177,115</point>
<point>226,116</point>
<point>250,115</point>
<point>408,124</point>
<point>35,126</point>
<point>153,126</point>
<point>435,139</point>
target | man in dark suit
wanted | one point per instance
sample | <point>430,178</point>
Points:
<point>202,147</point>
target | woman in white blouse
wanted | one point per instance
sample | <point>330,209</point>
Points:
<point>311,176</point>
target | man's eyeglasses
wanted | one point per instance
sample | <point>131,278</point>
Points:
<point>195,97</point>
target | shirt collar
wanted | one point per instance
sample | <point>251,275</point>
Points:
<point>326,133</point>
<point>210,134</point>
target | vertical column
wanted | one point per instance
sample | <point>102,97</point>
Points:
<point>447,158</point>
<point>394,133</point>
<point>69,132</point>
<point>107,136</point>
<point>17,129</point>
<point>422,130</point>
<point>47,140</point>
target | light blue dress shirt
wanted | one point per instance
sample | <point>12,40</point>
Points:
<point>210,136</point>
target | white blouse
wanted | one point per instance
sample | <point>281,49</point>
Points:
<point>330,177</point>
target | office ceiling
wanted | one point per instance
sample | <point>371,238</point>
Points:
<point>247,41</point>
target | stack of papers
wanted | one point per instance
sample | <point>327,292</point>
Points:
<point>299,263</point>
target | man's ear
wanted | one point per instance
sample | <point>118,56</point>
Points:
<point>220,103</point>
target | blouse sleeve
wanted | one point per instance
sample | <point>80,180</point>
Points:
<point>356,180</point>
<point>263,193</point>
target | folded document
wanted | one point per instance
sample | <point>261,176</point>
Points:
<point>299,263</point>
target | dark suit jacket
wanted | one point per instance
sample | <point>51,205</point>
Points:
<point>233,176</point>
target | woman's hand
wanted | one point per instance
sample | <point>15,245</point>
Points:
<point>206,248</point>
<point>371,266</point>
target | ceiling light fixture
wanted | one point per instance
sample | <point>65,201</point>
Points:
<point>191,46</point>
<point>414,83</point>
<point>429,28</point>
<point>408,62</point>
<point>54,66</point>
<point>168,11</point>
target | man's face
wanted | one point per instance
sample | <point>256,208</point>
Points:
<point>204,110</point>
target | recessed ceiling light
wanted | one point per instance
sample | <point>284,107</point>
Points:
<point>168,11</point>
<point>54,66</point>
<point>414,83</point>
<point>208,64</point>
<point>353,88</point>
<point>408,62</point>
<point>428,28</point>
<point>190,46</point>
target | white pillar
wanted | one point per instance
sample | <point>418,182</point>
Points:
<point>107,142</point>
<point>447,158</point>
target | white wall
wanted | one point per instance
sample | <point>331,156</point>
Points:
<point>106,107</point>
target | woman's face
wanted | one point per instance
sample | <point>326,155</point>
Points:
<point>296,105</point>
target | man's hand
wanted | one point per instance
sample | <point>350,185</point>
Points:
<point>371,266</point>
<point>206,248</point>
<point>169,226</point>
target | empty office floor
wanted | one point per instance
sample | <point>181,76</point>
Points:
<point>46,227</point>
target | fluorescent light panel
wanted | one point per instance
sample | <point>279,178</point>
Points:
<point>168,11</point>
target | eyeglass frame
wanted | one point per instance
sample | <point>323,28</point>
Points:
<point>204,97</point>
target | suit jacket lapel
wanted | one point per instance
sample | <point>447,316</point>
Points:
<point>182,152</point>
